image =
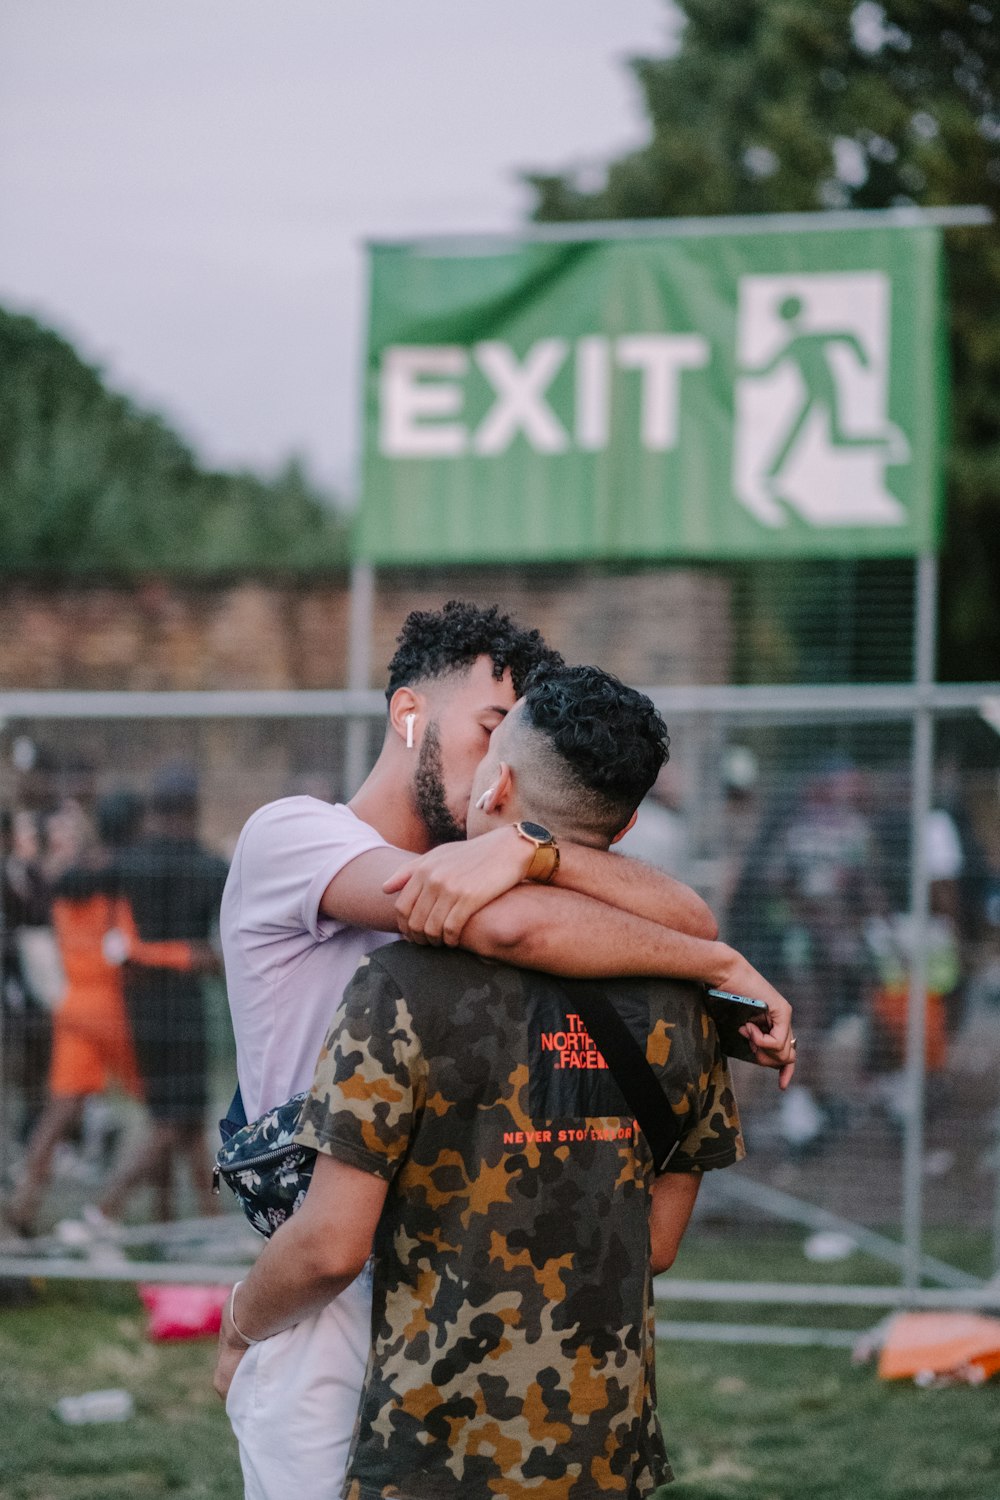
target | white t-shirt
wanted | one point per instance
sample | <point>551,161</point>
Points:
<point>286,965</point>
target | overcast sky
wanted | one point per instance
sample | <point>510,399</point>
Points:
<point>186,185</point>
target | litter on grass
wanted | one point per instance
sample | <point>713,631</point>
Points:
<point>829,1245</point>
<point>934,1348</point>
<point>182,1312</point>
<point>94,1406</point>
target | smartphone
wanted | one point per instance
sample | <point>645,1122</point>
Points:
<point>730,1012</point>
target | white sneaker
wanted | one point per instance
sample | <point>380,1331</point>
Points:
<point>91,1228</point>
<point>99,1221</point>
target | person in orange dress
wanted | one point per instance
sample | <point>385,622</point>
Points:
<point>92,1041</point>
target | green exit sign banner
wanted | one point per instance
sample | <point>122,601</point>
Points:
<point>743,394</point>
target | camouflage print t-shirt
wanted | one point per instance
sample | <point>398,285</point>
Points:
<point>513,1336</point>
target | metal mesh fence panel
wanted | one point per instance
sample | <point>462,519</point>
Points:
<point>800,837</point>
<point>788,804</point>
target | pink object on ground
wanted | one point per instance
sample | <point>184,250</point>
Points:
<point>183,1312</point>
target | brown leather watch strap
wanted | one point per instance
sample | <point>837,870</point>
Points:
<point>544,864</point>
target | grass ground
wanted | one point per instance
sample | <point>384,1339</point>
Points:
<point>784,1424</point>
<point>86,1336</point>
<point>744,1423</point>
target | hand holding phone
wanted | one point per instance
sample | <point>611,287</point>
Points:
<point>730,1012</point>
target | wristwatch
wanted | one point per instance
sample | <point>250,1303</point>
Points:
<point>545,862</point>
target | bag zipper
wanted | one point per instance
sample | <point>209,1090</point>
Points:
<point>250,1162</point>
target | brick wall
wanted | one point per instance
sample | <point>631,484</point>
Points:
<point>649,627</point>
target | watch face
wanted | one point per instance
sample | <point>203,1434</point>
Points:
<point>536,831</point>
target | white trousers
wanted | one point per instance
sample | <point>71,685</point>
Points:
<point>294,1398</point>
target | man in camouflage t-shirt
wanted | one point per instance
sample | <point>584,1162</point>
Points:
<point>520,1220</point>
<point>512,1322</point>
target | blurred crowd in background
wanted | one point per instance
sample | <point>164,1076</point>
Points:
<point>110,964</point>
<point>811,880</point>
<point>107,931</point>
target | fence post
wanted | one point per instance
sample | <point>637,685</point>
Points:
<point>5,1132</point>
<point>359,666</point>
<point>916,1029</point>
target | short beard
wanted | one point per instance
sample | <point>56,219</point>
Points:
<point>428,792</point>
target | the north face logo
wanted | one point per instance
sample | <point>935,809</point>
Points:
<point>572,1047</point>
<point>569,1078</point>
<point>813,435</point>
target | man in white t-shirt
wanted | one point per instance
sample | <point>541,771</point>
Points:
<point>314,887</point>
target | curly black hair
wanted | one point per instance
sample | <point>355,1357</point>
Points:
<point>435,643</point>
<point>610,737</point>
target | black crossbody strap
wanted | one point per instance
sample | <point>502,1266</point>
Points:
<point>627,1060</point>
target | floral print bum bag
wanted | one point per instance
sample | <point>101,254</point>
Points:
<point>264,1165</point>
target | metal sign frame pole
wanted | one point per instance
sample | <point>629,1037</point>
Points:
<point>359,668</point>
<point>921,796</point>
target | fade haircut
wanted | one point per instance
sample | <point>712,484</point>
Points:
<point>437,643</point>
<point>592,749</point>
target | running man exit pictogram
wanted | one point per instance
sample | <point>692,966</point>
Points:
<point>813,436</point>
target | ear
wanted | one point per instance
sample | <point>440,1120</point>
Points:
<point>405,701</point>
<point>500,793</point>
<point>623,831</point>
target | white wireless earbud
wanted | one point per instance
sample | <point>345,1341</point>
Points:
<point>490,792</point>
<point>408,720</point>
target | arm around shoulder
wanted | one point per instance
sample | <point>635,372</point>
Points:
<point>562,932</point>
<point>355,896</point>
<point>632,886</point>
<point>578,936</point>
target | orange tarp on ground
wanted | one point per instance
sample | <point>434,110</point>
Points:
<point>942,1343</point>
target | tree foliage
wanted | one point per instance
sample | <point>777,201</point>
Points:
<point>90,483</point>
<point>789,105</point>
